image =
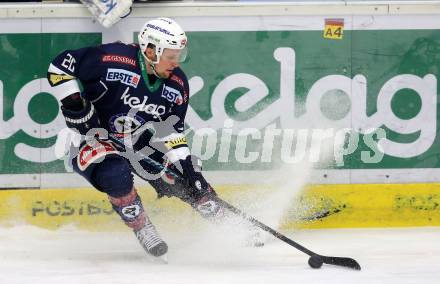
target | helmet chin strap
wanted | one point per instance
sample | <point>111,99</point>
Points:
<point>153,68</point>
<point>152,65</point>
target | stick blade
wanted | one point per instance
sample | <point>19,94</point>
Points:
<point>342,261</point>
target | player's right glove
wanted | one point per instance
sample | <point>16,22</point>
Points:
<point>79,114</point>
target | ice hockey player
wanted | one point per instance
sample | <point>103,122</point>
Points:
<point>124,87</point>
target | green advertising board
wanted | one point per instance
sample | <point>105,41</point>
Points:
<point>380,79</point>
<point>262,91</point>
<point>30,115</point>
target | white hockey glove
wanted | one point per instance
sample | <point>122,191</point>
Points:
<point>108,12</point>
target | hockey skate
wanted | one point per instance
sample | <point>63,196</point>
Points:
<point>211,210</point>
<point>151,241</point>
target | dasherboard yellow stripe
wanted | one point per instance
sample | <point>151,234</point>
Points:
<point>318,206</point>
<point>85,208</point>
<point>367,205</point>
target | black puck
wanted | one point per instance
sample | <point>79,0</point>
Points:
<point>315,262</point>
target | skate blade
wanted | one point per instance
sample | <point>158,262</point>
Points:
<point>163,259</point>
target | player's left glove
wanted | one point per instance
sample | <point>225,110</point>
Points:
<point>201,193</point>
<point>197,190</point>
<point>192,172</point>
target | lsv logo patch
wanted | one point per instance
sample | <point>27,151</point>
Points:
<point>122,123</point>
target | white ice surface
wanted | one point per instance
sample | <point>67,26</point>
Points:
<point>68,255</point>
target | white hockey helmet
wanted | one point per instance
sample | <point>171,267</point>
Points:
<point>163,33</point>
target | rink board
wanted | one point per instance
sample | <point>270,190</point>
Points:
<point>277,71</point>
<point>380,73</point>
<point>318,206</point>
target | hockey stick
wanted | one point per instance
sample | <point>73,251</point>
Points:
<point>315,260</point>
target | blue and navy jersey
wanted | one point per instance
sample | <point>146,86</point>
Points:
<point>114,79</point>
